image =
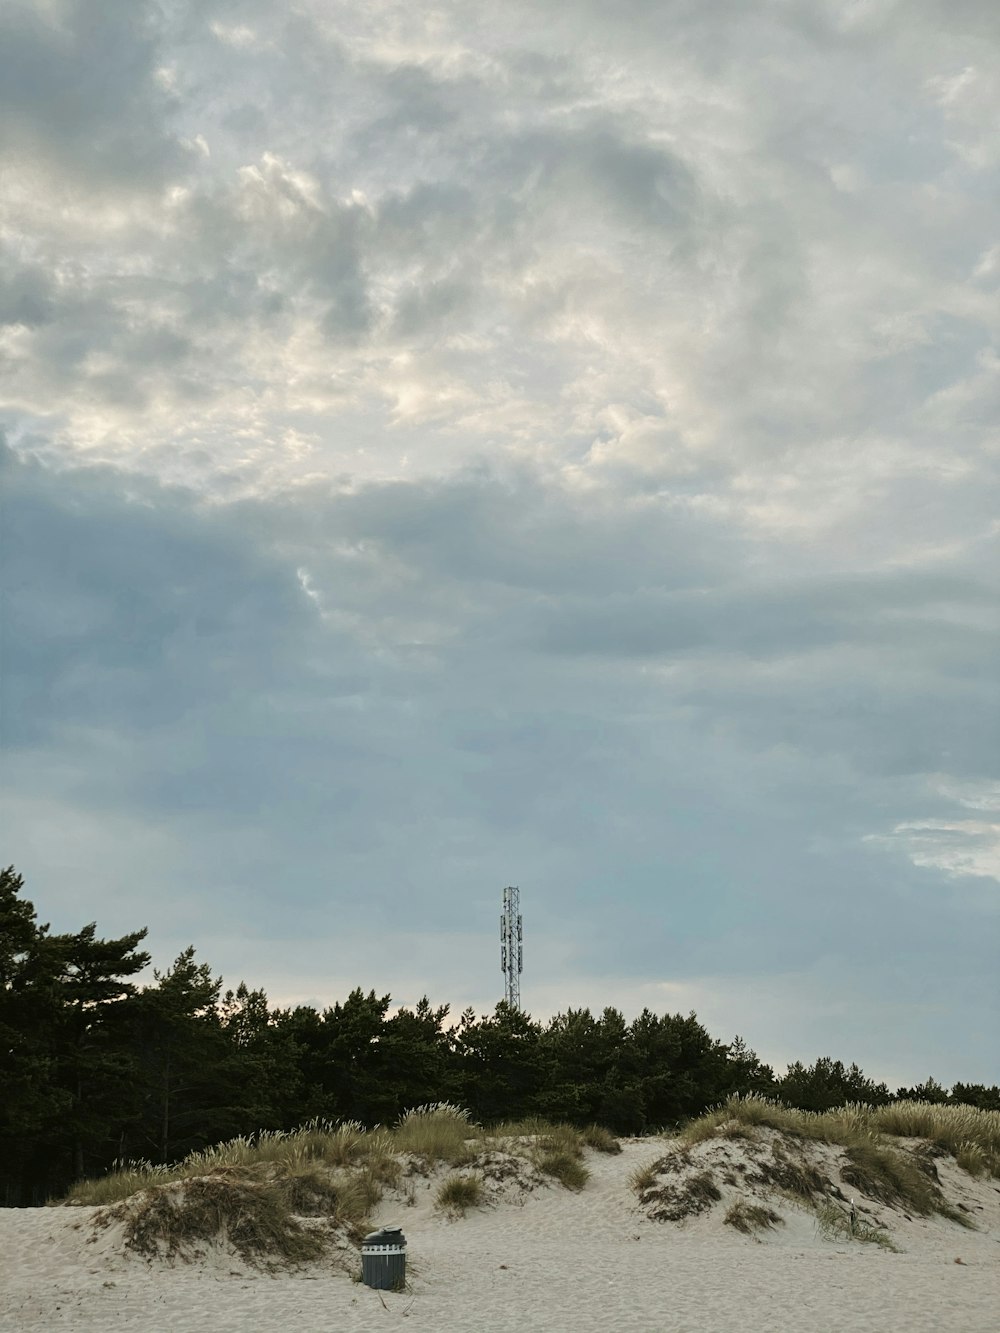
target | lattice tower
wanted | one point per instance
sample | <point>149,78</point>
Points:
<point>511,946</point>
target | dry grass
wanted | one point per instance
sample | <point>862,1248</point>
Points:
<point>751,1218</point>
<point>600,1139</point>
<point>835,1223</point>
<point>563,1166</point>
<point>555,1150</point>
<point>436,1133</point>
<point>458,1193</point>
<point>889,1173</point>
<point>178,1219</point>
<point>970,1135</point>
<point>673,1202</point>
<point>793,1174</point>
<point>644,1177</point>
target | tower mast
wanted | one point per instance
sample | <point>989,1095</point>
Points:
<point>511,946</point>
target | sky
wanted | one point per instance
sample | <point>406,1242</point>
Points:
<point>450,446</point>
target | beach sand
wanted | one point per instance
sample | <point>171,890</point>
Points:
<point>546,1260</point>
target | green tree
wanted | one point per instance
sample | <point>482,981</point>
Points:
<point>68,1074</point>
<point>264,1060</point>
<point>189,1076</point>
<point>502,1064</point>
<point>928,1091</point>
<point>826,1084</point>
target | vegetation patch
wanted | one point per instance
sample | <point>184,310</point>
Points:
<point>178,1220</point>
<point>439,1132</point>
<point>563,1166</point>
<point>645,1177</point>
<point>835,1223</point>
<point>885,1175</point>
<point>967,1133</point>
<point>793,1175</point>
<point>672,1203</point>
<point>751,1218</point>
<point>600,1139</point>
<point>458,1193</point>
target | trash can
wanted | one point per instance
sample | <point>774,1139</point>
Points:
<point>383,1259</point>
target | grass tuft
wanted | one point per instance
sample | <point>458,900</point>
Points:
<point>563,1166</point>
<point>836,1224</point>
<point>458,1193</point>
<point>751,1218</point>
<point>673,1203</point>
<point>600,1139</point>
<point>644,1177</point>
<point>439,1132</point>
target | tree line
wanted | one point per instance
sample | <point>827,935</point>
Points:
<point>95,1068</point>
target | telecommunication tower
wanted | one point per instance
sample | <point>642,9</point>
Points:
<point>511,946</point>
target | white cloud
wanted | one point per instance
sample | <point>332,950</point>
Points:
<point>565,437</point>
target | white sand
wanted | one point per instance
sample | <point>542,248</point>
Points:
<point>553,1261</point>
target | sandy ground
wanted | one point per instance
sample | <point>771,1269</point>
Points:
<point>550,1260</point>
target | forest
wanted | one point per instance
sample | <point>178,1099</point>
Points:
<point>96,1068</point>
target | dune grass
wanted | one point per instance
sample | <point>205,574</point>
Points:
<point>440,1132</point>
<point>458,1193</point>
<point>834,1223</point>
<point>563,1166</point>
<point>600,1139</point>
<point>674,1200</point>
<point>643,1177</point>
<point>751,1218</point>
<point>970,1135</point>
<point>329,1169</point>
<point>879,1169</point>
<point>174,1220</point>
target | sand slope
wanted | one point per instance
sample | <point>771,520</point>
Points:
<point>547,1260</point>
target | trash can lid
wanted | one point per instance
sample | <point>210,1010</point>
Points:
<point>386,1236</point>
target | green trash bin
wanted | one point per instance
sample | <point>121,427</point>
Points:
<point>383,1259</point>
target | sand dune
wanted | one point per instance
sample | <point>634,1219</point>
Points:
<point>545,1259</point>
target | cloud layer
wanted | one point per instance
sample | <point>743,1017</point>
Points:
<point>552,448</point>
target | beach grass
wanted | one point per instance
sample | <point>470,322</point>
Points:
<point>361,1163</point>
<point>751,1218</point>
<point>458,1193</point>
<point>970,1135</point>
<point>834,1223</point>
<point>176,1219</point>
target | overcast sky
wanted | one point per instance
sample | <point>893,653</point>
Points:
<point>551,444</point>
